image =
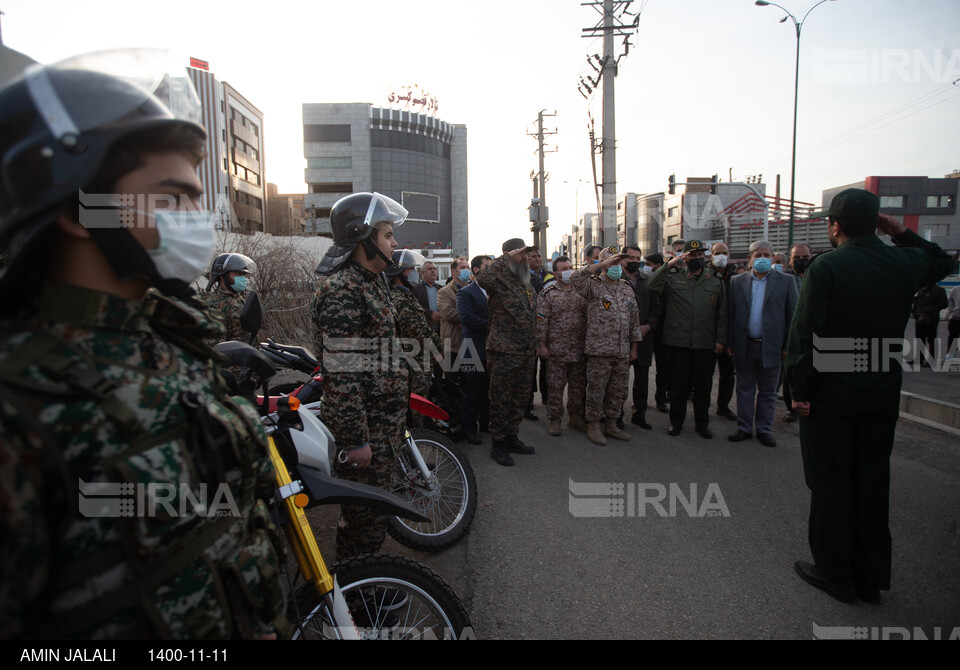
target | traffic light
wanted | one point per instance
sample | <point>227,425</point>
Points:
<point>714,180</point>
<point>672,185</point>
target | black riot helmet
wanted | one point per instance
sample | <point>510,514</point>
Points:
<point>225,263</point>
<point>404,259</point>
<point>352,222</point>
<point>57,125</point>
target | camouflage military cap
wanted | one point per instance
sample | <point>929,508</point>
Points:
<point>607,252</point>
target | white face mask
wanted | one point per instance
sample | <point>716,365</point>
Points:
<point>720,260</point>
<point>565,276</point>
<point>647,270</point>
<point>187,243</point>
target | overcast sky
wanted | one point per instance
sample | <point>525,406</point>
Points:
<point>707,87</point>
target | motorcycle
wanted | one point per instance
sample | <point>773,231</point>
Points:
<point>366,597</point>
<point>430,471</point>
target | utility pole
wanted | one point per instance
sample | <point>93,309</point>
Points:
<point>610,26</point>
<point>539,213</point>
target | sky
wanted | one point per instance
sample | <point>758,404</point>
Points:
<point>707,87</point>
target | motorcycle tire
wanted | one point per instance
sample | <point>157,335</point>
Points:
<point>390,598</point>
<point>451,506</point>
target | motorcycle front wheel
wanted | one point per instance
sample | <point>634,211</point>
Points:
<point>390,598</point>
<point>450,504</point>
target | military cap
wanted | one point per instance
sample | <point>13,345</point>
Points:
<point>514,244</point>
<point>852,204</point>
<point>694,245</point>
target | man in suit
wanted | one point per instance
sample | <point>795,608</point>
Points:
<point>719,262</point>
<point>426,293</point>
<point>648,306</point>
<point>860,293</point>
<point>449,318</point>
<point>475,320</point>
<point>761,307</point>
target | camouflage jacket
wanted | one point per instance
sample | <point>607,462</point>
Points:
<point>128,477</point>
<point>229,305</point>
<point>412,325</point>
<point>612,317</point>
<point>355,335</point>
<point>513,308</point>
<point>562,323</point>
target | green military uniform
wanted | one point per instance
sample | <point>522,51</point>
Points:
<point>853,297</point>
<point>695,321</point>
<point>365,394</point>
<point>229,304</point>
<point>112,419</point>
<point>511,346</point>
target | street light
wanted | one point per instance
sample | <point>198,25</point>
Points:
<point>796,89</point>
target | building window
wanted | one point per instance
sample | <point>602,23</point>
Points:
<point>672,212</point>
<point>326,133</point>
<point>893,201</point>
<point>933,230</point>
<point>331,188</point>
<point>939,201</point>
<point>338,162</point>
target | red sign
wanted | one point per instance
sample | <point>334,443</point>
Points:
<point>199,64</point>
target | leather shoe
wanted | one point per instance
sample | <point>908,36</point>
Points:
<point>662,406</point>
<point>529,415</point>
<point>674,431</point>
<point>705,433</point>
<point>766,439</point>
<point>500,454</point>
<point>844,592</point>
<point>739,436</point>
<point>514,445</point>
<point>639,420</point>
<point>727,413</point>
<point>791,416</point>
<point>869,596</point>
<point>472,439</point>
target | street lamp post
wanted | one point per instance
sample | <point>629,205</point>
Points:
<point>796,89</point>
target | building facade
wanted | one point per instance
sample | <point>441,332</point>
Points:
<point>285,213</point>
<point>416,159</point>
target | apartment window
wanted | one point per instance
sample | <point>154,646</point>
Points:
<point>893,201</point>
<point>338,162</point>
<point>672,212</point>
<point>326,133</point>
<point>939,201</point>
<point>331,188</point>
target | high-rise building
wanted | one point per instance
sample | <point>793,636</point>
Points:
<point>416,159</point>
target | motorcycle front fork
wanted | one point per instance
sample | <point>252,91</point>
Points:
<point>415,459</point>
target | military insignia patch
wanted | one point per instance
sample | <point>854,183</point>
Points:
<point>606,304</point>
<point>713,297</point>
<point>541,316</point>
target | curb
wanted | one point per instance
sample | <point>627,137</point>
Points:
<point>931,413</point>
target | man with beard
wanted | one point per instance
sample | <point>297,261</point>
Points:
<point>648,312</point>
<point>860,292</point>
<point>511,346</point>
<point>720,255</point>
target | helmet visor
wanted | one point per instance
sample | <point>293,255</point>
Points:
<point>126,80</point>
<point>385,210</point>
<point>408,259</point>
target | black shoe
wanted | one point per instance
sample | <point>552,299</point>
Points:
<point>530,415</point>
<point>844,592</point>
<point>638,419</point>
<point>620,422</point>
<point>705,433</point>
<point>662,406</point>
<point>473,439</point>
<point>674,431</point>
<point>766,439</point>
<point>739,436</point>
<point>500,453</point>
<point>869,596</point>
<point>727,413</point>
<point>514,445</point>
<point>791,416</point>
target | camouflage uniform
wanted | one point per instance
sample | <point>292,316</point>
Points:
<point>561,325</point>
<point>612,325</point>
<point>100,390</point>
<point>511,346</point>
<point>229,305</point>
<point>412,325</point>
<point>365,395</point>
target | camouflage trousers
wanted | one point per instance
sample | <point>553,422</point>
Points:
<point>510,379</point>
<point>607,378</point>
<point>574,377</point>
<point>362,529</point>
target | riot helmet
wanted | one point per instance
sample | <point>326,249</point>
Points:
<point>59,122</point>
<point>353,220</point>
<point>226,263</point>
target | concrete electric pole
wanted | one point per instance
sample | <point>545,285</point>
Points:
<point>539,214</point>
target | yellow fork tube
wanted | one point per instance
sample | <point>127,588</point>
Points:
<point>299,532</point>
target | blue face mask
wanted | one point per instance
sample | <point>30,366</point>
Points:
<point>615,272</point>
<point>778,267</point>
<point>239,284</point>
<point>464,276</point>
<point>762,264</point>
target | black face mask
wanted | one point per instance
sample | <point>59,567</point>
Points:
<point>800,265</point>
<point>695,264</point>
<point>633,266</point>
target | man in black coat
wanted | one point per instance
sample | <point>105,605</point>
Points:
<point>648,307</point>
<point>855,301</point>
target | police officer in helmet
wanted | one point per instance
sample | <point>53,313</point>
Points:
<point>365,394</point>
<point>104,380</point>
<point>227,290</point>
